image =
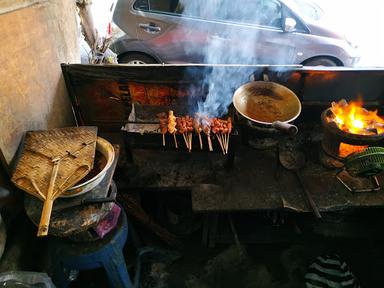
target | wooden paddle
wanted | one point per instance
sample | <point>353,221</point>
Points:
<point>53,161</point>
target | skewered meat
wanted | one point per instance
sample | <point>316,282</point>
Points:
<point>198,129</point>
<point>163,120</point>
<point>229,125</point>
<point>185,125</point>
<point>217,129</point>
<point>206,123</point>
<point>182,129</point>
<point>172,126</point>
<point>189,123</point>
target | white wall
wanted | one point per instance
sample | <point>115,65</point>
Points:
<point>363,22</point>
<point>34,40</point>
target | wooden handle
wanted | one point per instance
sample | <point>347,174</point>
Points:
<point>45,217</point>
<point>48,203</point>
<point>285,127</point>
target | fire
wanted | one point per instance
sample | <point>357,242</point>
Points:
<point>353,118</point>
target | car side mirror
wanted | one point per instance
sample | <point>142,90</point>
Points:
<point>289,24</point>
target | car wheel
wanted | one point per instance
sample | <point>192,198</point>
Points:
<point>136,58</point>
<point>320,62</point>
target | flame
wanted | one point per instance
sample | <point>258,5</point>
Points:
<point>353,118</point>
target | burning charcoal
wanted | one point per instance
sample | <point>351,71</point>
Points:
<point>353,118</point>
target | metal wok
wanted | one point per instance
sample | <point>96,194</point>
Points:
<point>266,103</point>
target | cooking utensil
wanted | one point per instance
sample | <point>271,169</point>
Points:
<point>294,161</point>
<point>51,162</point>
<point>268,104</point>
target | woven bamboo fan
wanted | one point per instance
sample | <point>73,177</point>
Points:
<point>53,161</point>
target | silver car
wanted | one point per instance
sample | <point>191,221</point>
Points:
<point>223,31</point>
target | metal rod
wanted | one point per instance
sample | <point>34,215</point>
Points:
<point>308,195</point>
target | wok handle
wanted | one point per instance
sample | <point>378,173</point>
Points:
<point>285,127</point>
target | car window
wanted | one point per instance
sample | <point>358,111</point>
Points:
<point>308,9</point>
<point>159,6</point>
<point>255,12</point>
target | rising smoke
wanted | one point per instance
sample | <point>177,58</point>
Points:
<point>232,38</point>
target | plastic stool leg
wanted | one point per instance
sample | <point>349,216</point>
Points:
<point>116,270</point>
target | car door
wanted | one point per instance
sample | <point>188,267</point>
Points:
<point>173,30</point>
<point>214,31</point>
<point>251,32</point>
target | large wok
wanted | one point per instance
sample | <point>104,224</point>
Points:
<point>266,103</point>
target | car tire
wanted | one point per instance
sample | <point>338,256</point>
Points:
<point>136,58</point>
<point>321,62</point>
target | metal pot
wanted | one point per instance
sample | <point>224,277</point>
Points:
<point>105,148</point>
<point>268,104</point>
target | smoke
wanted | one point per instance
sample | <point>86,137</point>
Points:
<point>228,35</point>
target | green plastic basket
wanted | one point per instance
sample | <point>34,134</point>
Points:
<point>370,162</point>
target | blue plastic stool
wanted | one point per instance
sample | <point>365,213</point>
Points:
<point>107,253</point>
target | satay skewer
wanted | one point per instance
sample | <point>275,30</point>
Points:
<point>190,141</point>
<point>209,142</point>
<point>223,140</point>
<point>206,122</point>
<point>223,135</point>
<point>181,125</point>
<point>197,126</point>
<point>189,122</point>
<point>185,131</point>
<point>163,125</point>
<point>185,140</point>
<point>174,137</point>
<point>220,142</point>
<point>216,130</point>
<point>229,132</point>
<point>172,126</point>
<point>200,140</point>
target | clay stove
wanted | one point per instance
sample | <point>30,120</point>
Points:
<point>349,128</point>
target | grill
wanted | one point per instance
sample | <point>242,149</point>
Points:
<point>123,102</point>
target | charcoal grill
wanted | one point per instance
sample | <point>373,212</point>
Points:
<point>339,144</point>
<point>102,96</point>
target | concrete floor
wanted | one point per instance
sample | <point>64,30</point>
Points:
<point>280,264</point>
